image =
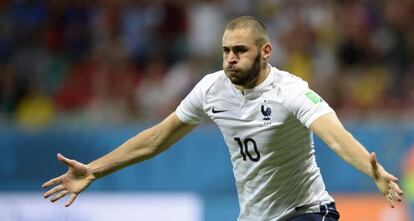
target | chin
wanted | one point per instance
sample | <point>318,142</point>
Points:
<point>237,81</point>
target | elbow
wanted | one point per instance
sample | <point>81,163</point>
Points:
<point>339,144</point>
<point>335,146</point>
<point>142,146</point>
<point>153,143</point>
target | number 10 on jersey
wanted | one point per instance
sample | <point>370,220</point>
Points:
<point>244,149</point>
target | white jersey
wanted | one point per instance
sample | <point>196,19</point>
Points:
<point>271,146</point>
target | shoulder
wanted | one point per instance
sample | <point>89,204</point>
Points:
<point>211,78</point>
<point>288,83</point>
<point>286,79</point>
<point>212,81</point>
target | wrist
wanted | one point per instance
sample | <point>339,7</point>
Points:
<point>92,174</point>
<point>377,172</point>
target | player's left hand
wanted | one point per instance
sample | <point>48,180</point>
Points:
<point>386,182</point>
<point>73,182</point>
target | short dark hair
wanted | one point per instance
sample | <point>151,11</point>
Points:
<point>255,24</point>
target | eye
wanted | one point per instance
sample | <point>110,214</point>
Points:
<point>240,50</point>
<point>226,50</point>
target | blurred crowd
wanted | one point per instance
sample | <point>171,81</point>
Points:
<point>108,61</point>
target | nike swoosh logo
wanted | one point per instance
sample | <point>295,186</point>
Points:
<point>217,111</point>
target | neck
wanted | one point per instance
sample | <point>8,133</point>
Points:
<point>264,72</point>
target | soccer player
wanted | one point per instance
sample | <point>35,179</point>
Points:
<point>267,117</point>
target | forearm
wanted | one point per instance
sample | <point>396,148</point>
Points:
<point>333,133</point>
<point>139,148</point>
<point>350,150</point>
<point>354,153</point>
<point>142,146</point>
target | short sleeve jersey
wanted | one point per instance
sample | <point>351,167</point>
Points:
<point>267,131</point>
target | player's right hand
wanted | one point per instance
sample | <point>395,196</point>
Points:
<point>73,182</point>
<point>386,182</point>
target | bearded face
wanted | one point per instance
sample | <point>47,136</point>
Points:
<point>243,58</point>
<point>244,76</point>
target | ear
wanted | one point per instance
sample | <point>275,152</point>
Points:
<point>266,51</point>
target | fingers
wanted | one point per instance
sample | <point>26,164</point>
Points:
<point>54,190</point>
<point>394,194</point>
<point>52,182</point>
<point>72,198</point>
<point>387,183</point>
<point>390,200</point>
<point>392,178</point>
<point>60,191</point>
<point>397,188</point>
<point>57,180</point>
<point>393,186</point>
<point>64,160</point>
<point>393,197</point>
<point>59,196</point>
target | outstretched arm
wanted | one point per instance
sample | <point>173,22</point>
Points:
<point>331,131</point>
<point>143,146</point>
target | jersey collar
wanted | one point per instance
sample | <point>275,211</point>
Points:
<point>255,92</point>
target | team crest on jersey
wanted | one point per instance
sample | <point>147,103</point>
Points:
<point>267,113</point>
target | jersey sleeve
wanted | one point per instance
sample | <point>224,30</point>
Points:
<point>191,110</point>
<point>305,104</point>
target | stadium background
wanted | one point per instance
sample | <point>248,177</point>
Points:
<point>79,77</point>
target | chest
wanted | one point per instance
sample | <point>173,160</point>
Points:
<point>246,117</point>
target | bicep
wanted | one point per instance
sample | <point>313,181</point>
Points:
<point>329,129</point>
<point>170,130</point>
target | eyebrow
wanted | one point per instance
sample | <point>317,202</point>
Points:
<point>235,47</point>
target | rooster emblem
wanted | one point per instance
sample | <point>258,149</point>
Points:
<point>266,113</point>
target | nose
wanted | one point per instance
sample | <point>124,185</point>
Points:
<point>232,58</point>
